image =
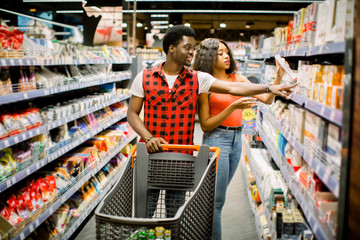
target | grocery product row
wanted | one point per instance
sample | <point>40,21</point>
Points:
<point>24,83</point>
<point>277,210</point>
<point>306,138</point>
<point>319,28</point>
<point>317,202</point>
<point>46,190</point>
<point>27,156</point>
<point>39,51</point>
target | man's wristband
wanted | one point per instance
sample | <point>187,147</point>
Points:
<point>146,141</point>
<point>267,87</point>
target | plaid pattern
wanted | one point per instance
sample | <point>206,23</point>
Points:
<point>170,114</point>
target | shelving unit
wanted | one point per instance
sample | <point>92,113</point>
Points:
<point>27,226</point>
<point>327,49</point>
<point>324,172</point>
<point>63,197</point>
<point>258,180</point>
<point>321,231</point>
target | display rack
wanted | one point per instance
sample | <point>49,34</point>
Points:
<point>81,180</point>
<point>326,49</point>
<point>30,224</point>
<point>21,96</point>
<point>258,181</point>
<point>321,231</point>
<point>252,204</point>
<point>323,172</point>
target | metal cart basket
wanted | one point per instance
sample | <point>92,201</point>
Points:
<point>169,189</point>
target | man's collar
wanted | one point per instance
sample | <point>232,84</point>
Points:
<point>185,71</point>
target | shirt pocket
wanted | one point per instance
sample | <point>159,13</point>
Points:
<point>153,98</point>
<point>185,100</point>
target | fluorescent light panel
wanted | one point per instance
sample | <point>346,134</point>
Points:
<point>53,1</point>
<point>257,1</point>
<point>159,15</point>
<point>210,11</point>
<point>69,11</point>
<point>159,22</point>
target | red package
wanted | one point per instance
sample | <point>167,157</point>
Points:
<point>45,190</point>
<point>52,184</point>
<point>10,216</point>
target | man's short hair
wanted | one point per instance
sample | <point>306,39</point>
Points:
<point>175,34</point>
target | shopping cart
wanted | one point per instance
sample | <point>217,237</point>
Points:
<point>162,178</point>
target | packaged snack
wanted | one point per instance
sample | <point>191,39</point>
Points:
<point>45,191</point>
<point>10,216</point>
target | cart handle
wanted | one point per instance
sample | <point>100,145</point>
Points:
<point>216,150</point>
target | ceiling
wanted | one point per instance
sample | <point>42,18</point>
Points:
<point>205,24</point>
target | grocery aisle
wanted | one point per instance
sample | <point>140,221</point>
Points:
<point>238,220</point>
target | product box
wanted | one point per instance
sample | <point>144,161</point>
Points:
<point>299,124</point>
<point>349,25</point>
<point>333,145</point>
<point>322,21</point>
<point>309,33</point>
<point>314,130</point>
<point>331,21</point>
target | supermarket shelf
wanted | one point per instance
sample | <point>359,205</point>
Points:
<point>318,228</point>
<point>7,142</point>
<point>329,48</point>
<point>324,172</point>
<point>333,115</point>
<point>93,205</point>
<point>252,204</point>
<point>20,96</point>
<point>61,199</point>
<point>42,162</point>
<point>9,62</point>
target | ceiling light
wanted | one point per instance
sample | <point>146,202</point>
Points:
<point>170,25</point>
<point>187,24</point>
<point>96,8</point>
<point>161,27</point>
<point>124,25</point>
<point>54,1</point>
<point>257,1</point>
<point>247,26</point>
<point>159,22</point>
<point>242,34</point>
<point>159,15</point>
<point>139,24</point>
<point>223,25</point>
<point>209,11</point>
<point>146,28</point>
<point>69,11</point>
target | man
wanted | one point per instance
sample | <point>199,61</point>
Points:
<point>170,92</point>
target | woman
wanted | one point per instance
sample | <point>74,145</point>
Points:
<point>220,115</point>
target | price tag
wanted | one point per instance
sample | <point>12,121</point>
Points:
<point>26,96</point>
<point>6,143</point>
<point>322,110</point>
<point>12,62</point>
<point>46,92</point>
<point>16,139</point>
<point>28,172</point>
<point>31,228</point>
<point>327,174</point>
<point>3,62</point>
<point>28,62</point>
<point>36,223</point>
<point>332,115</point>
<point>317,170</point>
<point>37,165</point>
<point>22,236</point>
<point>8,183</point>
<point>31,134</point>
<point>37,131</point>
<point>336,191</point>
<point>13,180</point>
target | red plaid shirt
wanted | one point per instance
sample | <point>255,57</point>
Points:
<point>170,114</point>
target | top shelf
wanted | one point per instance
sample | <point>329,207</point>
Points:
<point>9,62</point>
<point>329,48</point>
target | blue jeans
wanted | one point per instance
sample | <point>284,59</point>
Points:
<point>230,143</point>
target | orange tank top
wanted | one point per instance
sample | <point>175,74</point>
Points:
<point>218,102</point>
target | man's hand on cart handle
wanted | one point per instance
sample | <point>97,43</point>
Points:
<point>153,144</point>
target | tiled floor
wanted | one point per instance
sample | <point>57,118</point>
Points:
<point>238,221</point>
